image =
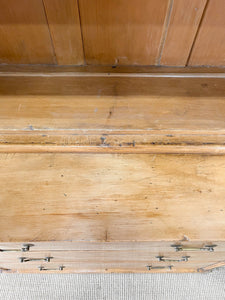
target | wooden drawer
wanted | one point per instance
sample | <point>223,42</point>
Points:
<point>111,197</point>
<point>142,260</point>
<point>111,211</point>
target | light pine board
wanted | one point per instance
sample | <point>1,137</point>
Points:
<point>111,197</point>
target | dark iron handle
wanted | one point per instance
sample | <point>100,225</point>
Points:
<point>159,267</point>
<point>209,248</point>
<point>24,248</point>
<point>163,258</point>
<point>42,268</point>
<point>26,259</point>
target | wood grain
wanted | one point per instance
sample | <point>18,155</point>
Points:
<point>163,247</point>
<point>90,69</point>
<point>111,197</point>
<point>145,32</point>
<point>106,85</point>
<point>128,260</point>
<point>24,33</point>
<point>106,124</point>
<point>64,23</point>
<point>96,112</point>
<point>182,28</point>
<point>209,47</point>
<point>121,34</point>
<point>121,114</point>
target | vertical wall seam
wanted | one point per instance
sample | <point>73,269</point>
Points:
<point>197,32</point>
<point>81,31</point>
<point>53,47</point>
<point>165,31</point>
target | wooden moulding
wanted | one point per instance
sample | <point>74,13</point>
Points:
<point>122,110</point>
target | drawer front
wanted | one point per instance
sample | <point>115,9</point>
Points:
<point>111,212</point>
<point>108,260</point>
<point>152,246</point>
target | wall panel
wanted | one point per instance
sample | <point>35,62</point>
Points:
<point>182,28</point>
<point>113,32</point>
<point>24,33</point>
<point>209,48</point>
<point>122,32</point>
<point>64,23</point>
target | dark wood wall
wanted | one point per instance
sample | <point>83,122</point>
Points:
<point>113,32</point>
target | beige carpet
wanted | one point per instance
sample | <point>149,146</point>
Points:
<point>207,286</point>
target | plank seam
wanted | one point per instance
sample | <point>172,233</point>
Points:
<point>81,32</point>
<point>165,31</point>
<point>196,34</point>
<point>52,43</point>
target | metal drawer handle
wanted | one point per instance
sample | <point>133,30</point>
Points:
<point>26,259</point>
<point>42,268</point>
<point>159,267</point>
<point>24,248</point>
<point>209,248</point>
<point>183,258</point>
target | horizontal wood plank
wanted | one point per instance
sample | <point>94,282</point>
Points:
<point>111,197</point>
<point>107,69</point>
<point>123,112</point>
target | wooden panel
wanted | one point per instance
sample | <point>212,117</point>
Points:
<point>107,113</point>
<point>117,112</point>
<point>95,115</point>
<point>102,84</point>
<point>132,70</point>
<point>121,33</point>
<point>182,28</point>
<point>110,197</point>
<point>24,33</point>
<point>64,22</point>
<point>209,48</point>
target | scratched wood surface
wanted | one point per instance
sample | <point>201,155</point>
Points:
<point>108,113</point>
<point>111,197</point>
<point>106,123</point>
<point>79,110</point>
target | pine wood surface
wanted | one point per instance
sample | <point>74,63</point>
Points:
<point>104,173</point>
